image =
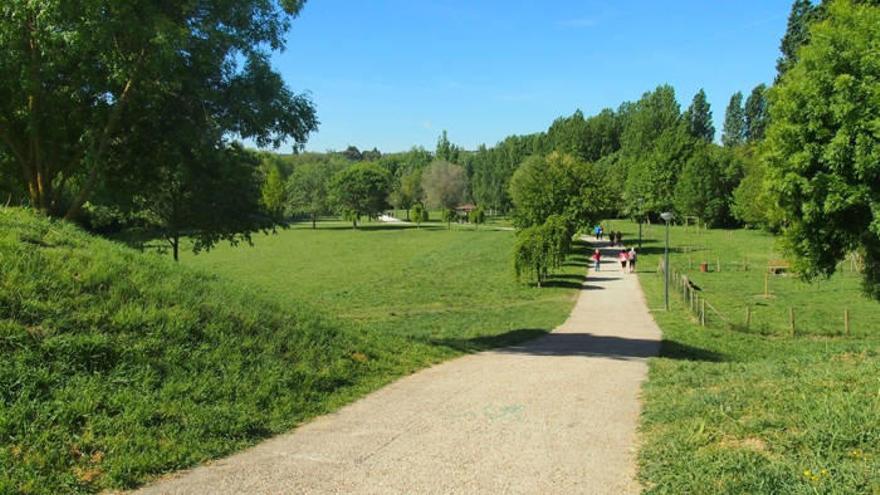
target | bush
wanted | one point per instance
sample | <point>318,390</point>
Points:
<point>540,249</point>
<point>477,216</point>
<point>419,214</point>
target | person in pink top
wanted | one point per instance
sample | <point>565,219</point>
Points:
<point>623,256</point>
<point>597,259</point>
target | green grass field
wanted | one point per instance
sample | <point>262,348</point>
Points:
<point>119,366</point>
<point>429,285</point>
<point>742,412</point>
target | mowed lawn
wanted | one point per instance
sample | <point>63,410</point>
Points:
<point>758,411</point>
<point>451,287</point>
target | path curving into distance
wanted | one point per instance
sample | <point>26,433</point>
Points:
<point>557,414</point>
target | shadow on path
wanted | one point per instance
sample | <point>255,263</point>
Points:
<point>540,343</point>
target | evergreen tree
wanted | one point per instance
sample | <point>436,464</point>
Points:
<point>756,114</point>
<point>797,34</point>
<point>734,122</point>
<point>699,118</point>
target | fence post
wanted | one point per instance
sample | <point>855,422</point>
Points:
<point>703,312</point>
<point>746,264</point>
<point>748,317</point>
<point>791,319</point>
<point>718,263</point>
<point>846,321</point>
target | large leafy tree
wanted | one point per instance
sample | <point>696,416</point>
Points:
<point>823,145</point>
<point>734,133</point>
<point>360,189</point>
<point>445,185</point>
<point>698,118</point>
<point>557,184</point>
<point>205,194</point>
<point>308,189</point>
<point>77,77</point>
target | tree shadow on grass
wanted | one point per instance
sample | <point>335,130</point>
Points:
<point>537,342</point>
<point>375,227</point>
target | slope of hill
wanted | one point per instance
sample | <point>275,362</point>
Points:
<point>117,366</point>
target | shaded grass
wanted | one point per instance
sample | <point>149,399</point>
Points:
<point>118,366</point>
<point>769,414</point>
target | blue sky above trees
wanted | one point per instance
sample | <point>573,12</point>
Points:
<point>393,74</point>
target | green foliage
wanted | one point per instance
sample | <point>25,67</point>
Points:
<point>308,189</point>
<point>556,185</point>
<point>419,214</point>
<point>81,85</point>
<point>823,149</point>
<point>797,34</point>
<point>756,114</point>
<point>445,185</point>
<point>477,216</point>
<point>540,249</point>
<point>753,204</point>
<point>210,198</point>
<point>653,177</point>
<point>494,167</point>
<point>449,216</point>
<point>698,118</point>
<point>272,194</point>
<point>734,133</point>
<point>446,151</point>
<point>359,190</point>
<point>705,186</point>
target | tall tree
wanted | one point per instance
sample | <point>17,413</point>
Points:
<point>756,114</point>
<point>208,195</point>
<point>445,185</point>
<point>823,145</point>
<point>734,133</point>
<point>698,118</point>
<point>361,189</point>
<point>308,189</point>
<point>273,193</point>
<point>446,151</point>
<point>797,34</point>
<point>76,77</point>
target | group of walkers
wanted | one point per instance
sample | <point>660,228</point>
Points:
<point>616,238</point>
<point>627,259</point>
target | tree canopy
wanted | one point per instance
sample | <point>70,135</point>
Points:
<point>823,144</point>
<point>78,79</point>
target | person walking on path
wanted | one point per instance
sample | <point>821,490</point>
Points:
<point>631,258</point>
<point>623,256</point>
<point>597,260</point>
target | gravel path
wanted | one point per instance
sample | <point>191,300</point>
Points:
<point>557,414</point>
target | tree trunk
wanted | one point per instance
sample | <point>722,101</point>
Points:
<point>314,220</point>
<point>175,246</point>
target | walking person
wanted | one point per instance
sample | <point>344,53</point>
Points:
<point>597,232</point>
<point>597,260</point>
<point>632,257</point>
<point>623,257</point>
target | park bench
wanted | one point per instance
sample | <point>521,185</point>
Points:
<point>777,267</point>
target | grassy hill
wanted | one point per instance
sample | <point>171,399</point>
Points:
<point>118,366</point>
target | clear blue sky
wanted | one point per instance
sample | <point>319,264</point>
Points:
<point>395,73</point>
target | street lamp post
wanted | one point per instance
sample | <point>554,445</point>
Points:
<point>667,217</point>
<point>641,218</point>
